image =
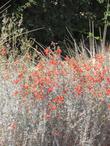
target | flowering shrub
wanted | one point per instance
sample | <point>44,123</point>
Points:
<point>55,102</point>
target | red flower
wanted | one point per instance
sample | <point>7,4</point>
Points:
<point>38,95</point>
<point>58,99</point>
<point>50,90</point>
<point>53,62</point>
<point>3,51</point>
<point>87,67</point>
<point>108,106</point>
<point>53,107</point>
<point>15,93</point>
<point>78,89</point>
<point>16,81</point>
<point>88,77</point>
<point>47,51</point>
<point>25,86</point>
<point>58,51</point>
<point>108,80</point>
<point>108,92</point>
<point>20,75</point>
<point>90,87</point>
<point>97,66</point>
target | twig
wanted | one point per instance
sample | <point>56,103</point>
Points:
<point>5,4</point>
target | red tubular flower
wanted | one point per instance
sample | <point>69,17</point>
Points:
<point>15,93</point>
<point>100,58</point>
<point>108,106</point>
<point>53,107</point>
<point>78,89</point>
<point>99,94</point>
<point>47,51</point>
<point>25,86</point>
<point>108,92</point>
<point>53,62</point>
<point>108,80</point>
<point>98,66</point>
<point>38,95</point>
<point>78,69</point>
<point>98,79</point>
<point>50,90</point>
<point>88,77</point>
<point>58,51</point>
<point>87,67</point>
<point>20,75</point>
<point>64,91</point>
<point>58,99</point>
<point>16,81</point>
<point>3,51</point>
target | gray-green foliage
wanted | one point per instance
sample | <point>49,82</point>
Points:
<point>13,36</point>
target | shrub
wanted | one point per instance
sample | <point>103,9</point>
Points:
<point>55,102</point>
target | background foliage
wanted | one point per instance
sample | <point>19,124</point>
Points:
<point>56,15</point>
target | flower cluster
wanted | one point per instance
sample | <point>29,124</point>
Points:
<point>55,93</point>
<point>50,77</point>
